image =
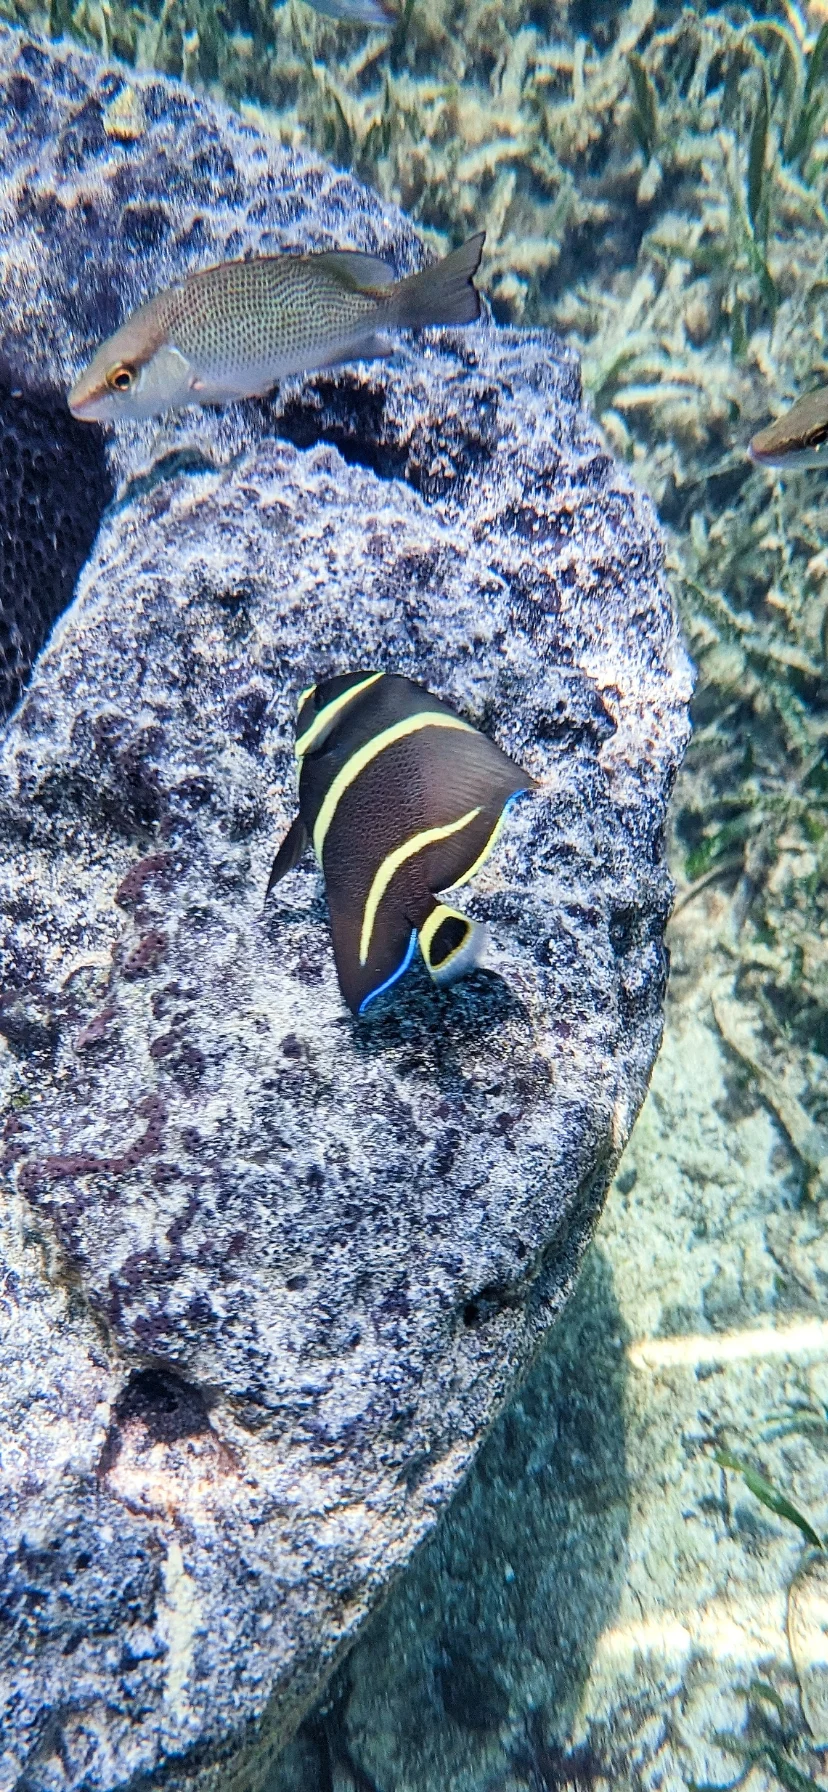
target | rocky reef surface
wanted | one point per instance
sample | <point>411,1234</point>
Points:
<point>268,1274</point>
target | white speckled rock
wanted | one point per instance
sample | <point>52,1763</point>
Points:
<point>271,1272</point>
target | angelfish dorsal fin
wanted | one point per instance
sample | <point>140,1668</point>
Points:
<point>289,854</point>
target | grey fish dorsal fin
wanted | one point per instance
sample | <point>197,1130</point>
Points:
<point>355,270</point>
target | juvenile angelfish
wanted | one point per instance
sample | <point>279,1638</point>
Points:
<point>400,799</point>
<point>799,439</point>
<point>235,330</point>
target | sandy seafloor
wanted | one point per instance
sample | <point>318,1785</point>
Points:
<point>604,1604</point>
<point>602,1600</point>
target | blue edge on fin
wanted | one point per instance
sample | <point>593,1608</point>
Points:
<point>399,972</point>
<point>412,944</point>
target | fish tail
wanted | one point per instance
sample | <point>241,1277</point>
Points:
<point>451,944</point>
<point>443,294</point>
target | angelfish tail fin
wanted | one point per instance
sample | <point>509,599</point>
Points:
<point>442,294</point>
<point>289,854</point>
<point>451,944</point>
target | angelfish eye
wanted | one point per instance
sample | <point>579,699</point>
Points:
<point>121,378</point>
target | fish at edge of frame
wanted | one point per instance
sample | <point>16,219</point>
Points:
<point>797,440</point>
<point>358,12</point>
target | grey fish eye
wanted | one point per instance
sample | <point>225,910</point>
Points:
<point>121,378</point>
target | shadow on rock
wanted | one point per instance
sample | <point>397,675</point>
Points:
<point>471,1674</point>
<point>425,1018</point>
<point>54,488</point>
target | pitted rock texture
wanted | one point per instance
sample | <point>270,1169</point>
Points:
<point>53,487</point>
<point>270,1272</point>
<point>90,226</point>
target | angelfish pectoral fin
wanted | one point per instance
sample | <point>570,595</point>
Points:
<point>289,854</point>
<point>451,944</point>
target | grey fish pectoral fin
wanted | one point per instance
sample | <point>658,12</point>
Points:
<point>376,348</point>
<point>373,347</point>
<point>290,852</point>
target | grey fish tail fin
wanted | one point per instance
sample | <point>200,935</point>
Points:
<point>443,294</point>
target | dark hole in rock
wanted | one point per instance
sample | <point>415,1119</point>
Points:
<point>434,454</point>
<point>623,930</point>
<point>144,227</point>
<point>167,1407</point>
<point>167,466</point>
<point>486,1304</point>
<point>435,1022</point>
<point>29,1034</point>
<point>54,487</point>
<point>352,419</point>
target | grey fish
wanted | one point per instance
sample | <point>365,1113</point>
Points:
<point>799,439</point>
<point>234,330</point>
<point>357,12</point>
<point>400,798</point>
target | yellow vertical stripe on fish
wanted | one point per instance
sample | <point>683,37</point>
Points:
<point>391,865</point>
<point>326,716</point>
<point>432,925</point>
<point>482,857</point>
<point>364,756</point>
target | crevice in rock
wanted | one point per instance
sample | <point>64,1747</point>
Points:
<point>488,1302</point>
<point>54,488</point>
<point>56,483</point>
<point>347,416</point>
<point>432,453</point>
<point>164,1405</point>
<point>559,1260</point>
<point>168,466</point>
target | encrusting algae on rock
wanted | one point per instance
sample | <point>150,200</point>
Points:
<point>124,118</point>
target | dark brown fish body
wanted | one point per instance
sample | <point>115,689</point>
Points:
<point>401,799</point>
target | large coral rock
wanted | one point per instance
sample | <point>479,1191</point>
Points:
<point>268,1272</point>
